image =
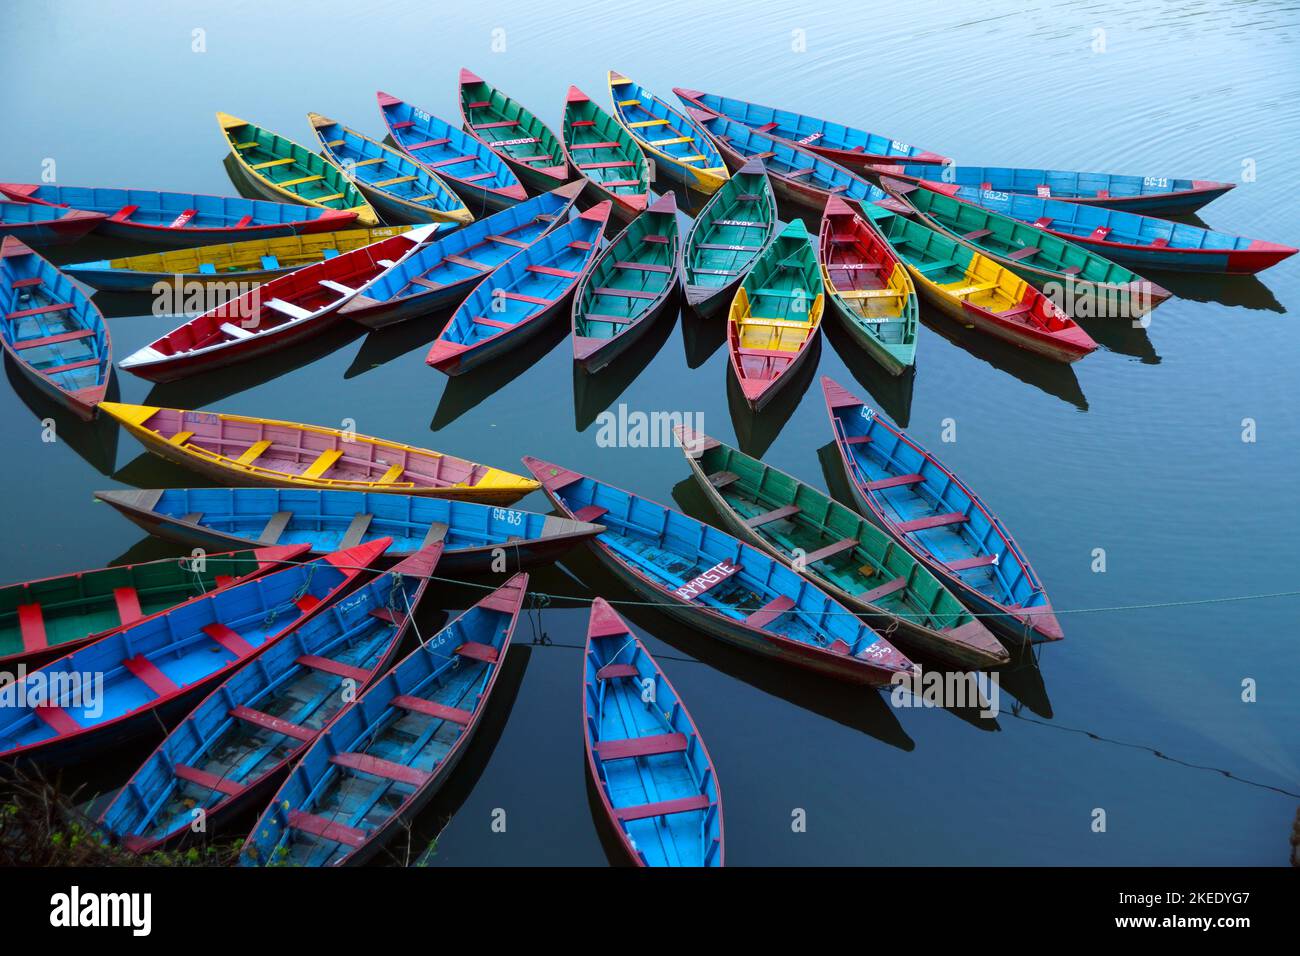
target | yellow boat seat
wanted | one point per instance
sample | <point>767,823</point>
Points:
<point>180,438</point>
<point>273,162</point>
<point>253,452</point>
<point>391,475</point>
<point>323,463</point>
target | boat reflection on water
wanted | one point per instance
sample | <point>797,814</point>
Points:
<point>891,393</point>
<point>755,431</point>
<point>701,336</point>
<point>95,442</point>
<point>858,708</point>
<point>1244,292</point>
<point>594,393</point>
<point>392,342</point>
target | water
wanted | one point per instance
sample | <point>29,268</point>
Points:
<point>1137,449</point>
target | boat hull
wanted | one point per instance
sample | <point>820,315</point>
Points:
<point>886,359</point>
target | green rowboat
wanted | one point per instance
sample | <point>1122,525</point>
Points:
<point>606,155</point>
<point>733,229</point>
<point>1035,254</point>
<point>524,142</point>
<point>630,284</point>
<point>840,551</point>
<point>45,619</point>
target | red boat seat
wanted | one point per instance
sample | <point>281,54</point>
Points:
<point>183,218</point>
<point>644,267</point>
<point>419,705</point>
<point>379,767</point>
<point>612,671</point>
<point>509,241</point>
<point>615,319</point>
<point>531,299</point>
<point>980,561</point>
<point>31,623</point>
<point>23,344</point>
<point>306,602</point>
<point>386,614</point>
<point>273,724</point>
<point>58,719</point>
<point>41,310</point>
<point>663,808</point>
<point>230,640</point>
<point>449,162</point>
<point>765,128</point>
<point>895,482</point>
<point>796,173</point>
<point>641,746</point>
<point>425,144</point>
<point>656,238</point>
<point>243,221</point>
<point>207,780</point>
<point>605,145</point>
<point>147,672</point>
<point>467,263</point>
<point>1100,233</point>
<point>590,513</point>
<point>492,323</point>
<point>1159,243</point>
<point>977,234</point>
<point>720,479</point>
<point>479,652</point>
<point>27,283</point>
<point>123,214</point>
<point>931,521</point>
<point>857,439</point>
<point>326,829</point>
<point>403,124</point>
<point>830,550</point>
<point>625,293</point>
<point>884,590</point>
<point>337,668</point>
<point>552,271</point>
<point>1026,253</point>
<point>128,604</point>
<point>769,612</point>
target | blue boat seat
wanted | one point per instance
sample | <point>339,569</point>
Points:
<point>207,269</point>
<point>270,262</point>
<point>330,253</point>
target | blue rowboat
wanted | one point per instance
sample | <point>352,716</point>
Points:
<point>1127,237</point>
<point>474,536</point>
<point>443,272</point>
<point>846,145</point>
<point>649,764</point>
<point>237,744</point>
<point>39,225</point>
<point>719,585</point>
<point>55,334</point>
<point>109,691</point>
<point>182,219</point>
<point>512,305</point>
<point>631,283</point>
<point>399,187</point>
<point>468,166</point>
<point>678,146</point>
<point>931,512</point>
<point>389,752</point>
<point>1145,194</point>
<point>797,174</point>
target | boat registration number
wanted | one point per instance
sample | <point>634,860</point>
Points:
<point>811,138</point>
<point>994,195</point>
<point>901,147</point>
<point>421,115</point>
<point>512,142</point>
<point>1160,182</point>
<point>508,516</point>
<point>867,413</point>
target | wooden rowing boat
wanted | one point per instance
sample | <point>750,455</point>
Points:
<point>648,763</point>
<point>775,315</point>
<point>39,225</point>
<point>734,228</point>
<point>244,451</point>
<point>679,148</point>
<point>236,745</point>
<point>941,521</point>
<point>513,305</point>
<point>606,155</point>
<point>467,165</point>
<point>1145,194</point>
<point>869,286</point>
<point>841,552</point>
<point>387,753</point>
<point>180,219</point>
<point>1142,241</point>
<point>443,271</point>
<point>631,283</point>
<point>1077,275</point>
<point>720,586</point>
<point>396,185</point>
<point>280,169</point>
<point>975,290</point>
<point>53,331</point>
<point>252,262</point>
<point>797,175</point>
<point>285,310</point>
<point>474,536</point>
<point>44,619</point>
<point>846,145</point>
<point>519,138</point>
<point>153,670</point>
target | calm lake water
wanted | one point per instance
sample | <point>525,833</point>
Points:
<point>1137,449</point>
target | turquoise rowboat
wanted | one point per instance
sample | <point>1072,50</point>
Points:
<point>631,283</point>
<point>519,138</point>
<point>606,155</point>
<point>680,149</point>
<point>480,176</point>
<point>847,145</point>
<point>395,184</point>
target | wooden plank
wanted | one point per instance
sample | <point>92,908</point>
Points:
<point>831,550</point>
<point>273,724</point>
<point>128,604</point>
<point>31,623</point>
<point>479,652</point>
<point>897,481</point>
<point>931,521</point>
<point>419,705</point>
<point>147,672</point>
<point>275,527</point>
<point>209,781</point>
<point>230,640</point>
<point>612,671</point>
<point>776,514</point>
<point>770,611</point>
<point>379,767</point>
<point>326,829</point>
<point>663,808</point>
<point>884,590</point>
<point>253,452</point>
<point>323,463</point>
<point>329,666</point>
<point>356,530</point>
<point>649,746</point>
<point>981,561</point>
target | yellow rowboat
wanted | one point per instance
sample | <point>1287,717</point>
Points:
<point>280,169</point>
<point>681,149</point>
<point>239,450</point>
<point>254,261</point>
<point>775,315</point>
